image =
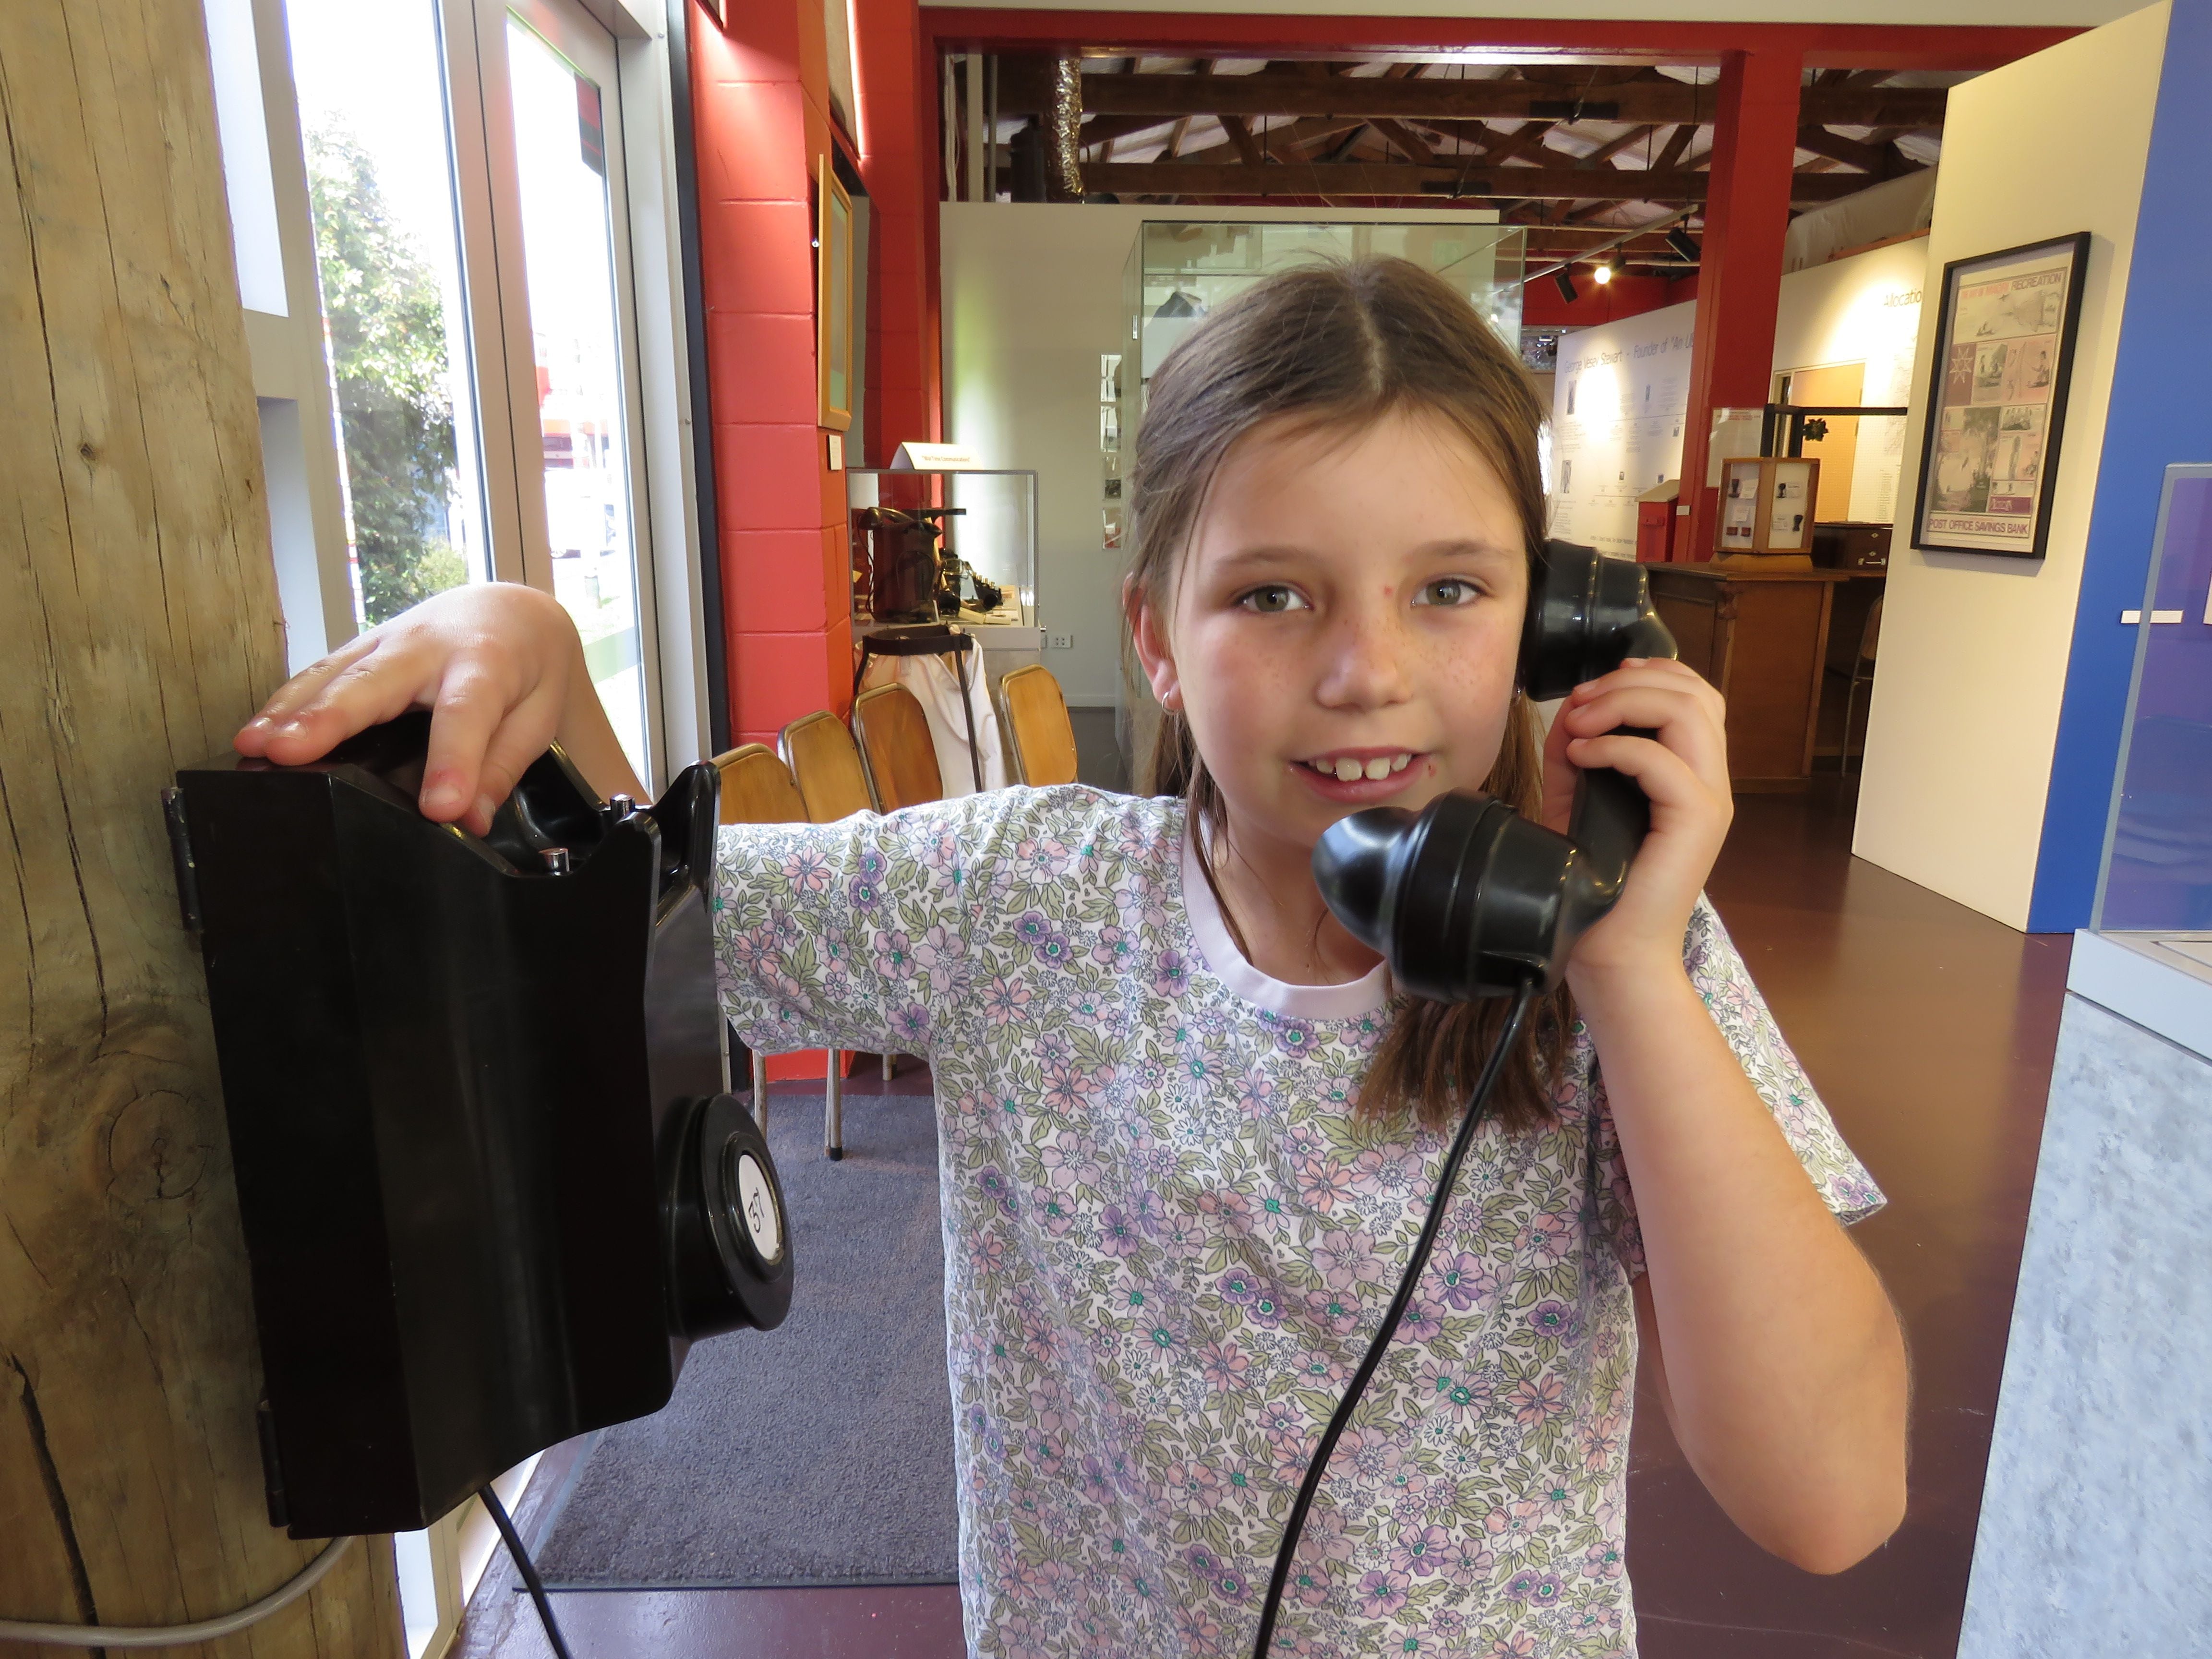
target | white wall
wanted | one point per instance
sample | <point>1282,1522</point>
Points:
<point>1032,298</point>
<point>1630,384</point>
<point>1865,309</point>
<point>1974,647</point>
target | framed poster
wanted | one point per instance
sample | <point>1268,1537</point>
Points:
<point>1997,399</point>
<point>833,302</point>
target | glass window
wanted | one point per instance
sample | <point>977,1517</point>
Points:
<point>562,122</point>
<point>387,252</point>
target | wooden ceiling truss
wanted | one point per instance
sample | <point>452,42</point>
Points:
<point>1569,150</point>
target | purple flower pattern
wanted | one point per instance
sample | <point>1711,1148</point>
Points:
<point>1168,1245</point>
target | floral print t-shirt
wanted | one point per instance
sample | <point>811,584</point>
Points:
<point>1166,1246</point>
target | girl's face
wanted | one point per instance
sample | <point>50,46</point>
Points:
<point>1343,629</point>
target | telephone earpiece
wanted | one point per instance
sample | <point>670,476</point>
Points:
<point>1467,898</point>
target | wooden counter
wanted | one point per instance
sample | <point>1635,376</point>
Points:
<point>1762,640</point>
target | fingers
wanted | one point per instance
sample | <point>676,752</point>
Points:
<point>297,693</point>
<point>468,711</point>
<point>526,733</point>
<point>1689,716</point>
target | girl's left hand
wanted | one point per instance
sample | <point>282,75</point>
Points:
<point>1685,774</point>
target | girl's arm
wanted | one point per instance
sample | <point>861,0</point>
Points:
<point>1783,1366</point>
<point>501,670</point>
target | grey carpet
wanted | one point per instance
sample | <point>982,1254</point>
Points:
<point>820,1452</point>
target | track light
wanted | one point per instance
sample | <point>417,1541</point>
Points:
<point>1684,243</point>
<point>1601,273</point>
<point>1566,279</point>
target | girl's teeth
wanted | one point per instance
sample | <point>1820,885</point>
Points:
<point>1399,763</point>
<point>1348,769</point>
<point>1378,769</point>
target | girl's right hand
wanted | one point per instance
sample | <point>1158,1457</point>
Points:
<point>498,665</point>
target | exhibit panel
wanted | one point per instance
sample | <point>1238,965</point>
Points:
<point>1964,718</point>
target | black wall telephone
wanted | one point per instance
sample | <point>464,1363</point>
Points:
<point>1467,898</point>
<point>491,1186</point>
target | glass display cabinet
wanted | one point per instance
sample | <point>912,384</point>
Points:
<point>942,546</point>
<point>2157,873</point>
<point>1179,270</point>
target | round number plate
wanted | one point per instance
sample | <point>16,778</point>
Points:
<point>756,1208</point>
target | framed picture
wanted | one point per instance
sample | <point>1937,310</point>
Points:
<point>1997,399</point>
<point>833,291</point>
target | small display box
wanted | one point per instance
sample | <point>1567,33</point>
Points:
<point>1766,511</point>
<point>951,545</point>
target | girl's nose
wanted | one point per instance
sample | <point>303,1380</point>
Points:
<point>1365,657</point>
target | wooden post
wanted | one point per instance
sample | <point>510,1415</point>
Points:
<point>138,627</point>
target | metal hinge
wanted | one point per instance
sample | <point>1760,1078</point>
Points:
<point>180,855</point>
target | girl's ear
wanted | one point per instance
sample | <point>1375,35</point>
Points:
<point>1148,633</point>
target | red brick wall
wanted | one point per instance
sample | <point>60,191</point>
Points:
<point>760,102</point>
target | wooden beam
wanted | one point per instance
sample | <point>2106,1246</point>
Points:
<point>1240,134</point>
<point>1612,147</point>
<point>1866,158</point>
<point>1558,184</point>
<point>1638,103</point>
<point>139,627</point>
<point>1670,153</point>
<point>1409,144</point>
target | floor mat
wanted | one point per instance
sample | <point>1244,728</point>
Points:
<point>820,1452</point>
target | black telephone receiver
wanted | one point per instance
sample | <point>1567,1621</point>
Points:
<point>1467,898</point>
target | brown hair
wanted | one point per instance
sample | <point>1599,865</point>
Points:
<point>1342,345</point>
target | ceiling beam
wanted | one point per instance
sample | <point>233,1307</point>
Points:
<point>1240,134</point>
<point>1877,159</point>
<point>1640,103</point>
<point>1557,184</point>
<point>1410,144</point>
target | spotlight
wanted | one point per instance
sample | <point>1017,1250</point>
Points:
<point>1684,243</point>
<point>1566,279</point>
<point>1601,274</point>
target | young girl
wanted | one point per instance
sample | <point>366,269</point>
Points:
<point>1189,1129</point>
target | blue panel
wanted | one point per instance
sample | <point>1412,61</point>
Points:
<point>2160,412</point>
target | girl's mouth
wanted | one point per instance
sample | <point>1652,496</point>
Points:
<point>1360,775</point>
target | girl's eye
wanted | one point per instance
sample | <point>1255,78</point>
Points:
<point>1448,590</point>
<point>1273,600</point>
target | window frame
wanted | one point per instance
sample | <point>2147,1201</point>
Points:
<point>316,580</point>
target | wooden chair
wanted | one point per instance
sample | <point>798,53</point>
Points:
<point>825,766</point>
<point>828,778</point>
<point>895,748</point>
<point>1034,715</point>
<point>1862,674</point>
<point>756,788</point>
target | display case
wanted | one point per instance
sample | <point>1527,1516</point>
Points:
<point>1179,271</point>
<point>2157,872</point>
<point>942,546</point>
<point>1766,511</point>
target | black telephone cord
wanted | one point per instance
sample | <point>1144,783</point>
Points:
<point>1445,1181</point>
<point>526,1567</point>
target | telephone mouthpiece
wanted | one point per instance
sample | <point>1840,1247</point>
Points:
<point>1465,898</point>
<point>1352,864</point>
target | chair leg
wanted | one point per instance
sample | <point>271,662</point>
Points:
<point>1850,700</point>
<point>833,1109</point>
<point>760,1092</point>
<point>887,1068</point>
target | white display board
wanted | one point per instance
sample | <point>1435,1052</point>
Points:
<point>1618,399</point>
<point>1619,393</point>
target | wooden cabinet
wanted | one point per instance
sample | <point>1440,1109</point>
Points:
<point>1762,640</point>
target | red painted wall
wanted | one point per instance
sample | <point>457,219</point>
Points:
<point>1624,296</point>
<point>899,163</point>
<point>760,101</point>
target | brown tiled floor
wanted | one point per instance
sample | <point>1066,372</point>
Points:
<point>1929,1032</point>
